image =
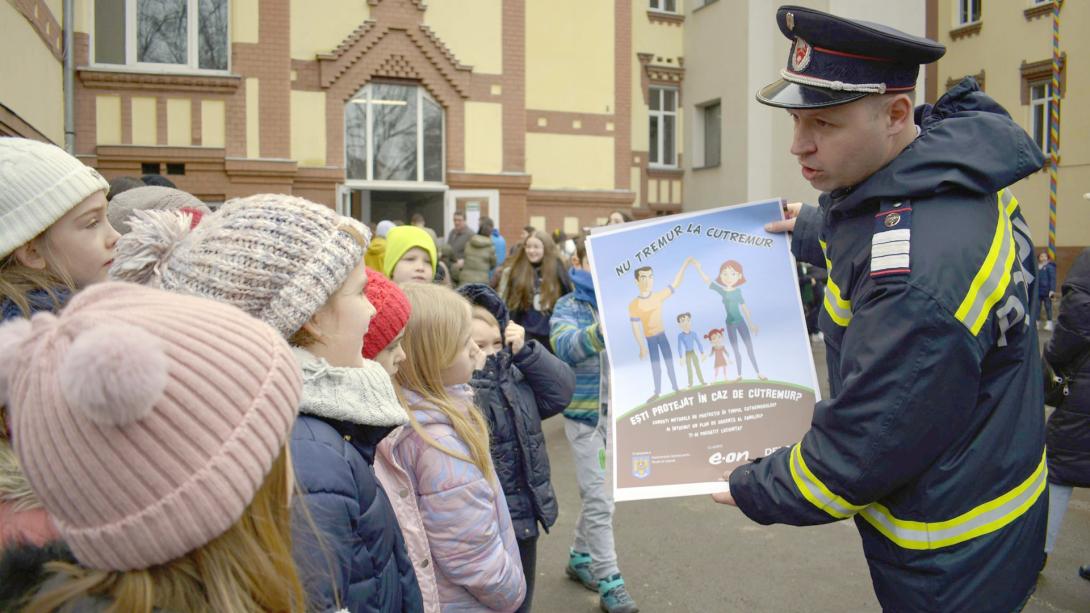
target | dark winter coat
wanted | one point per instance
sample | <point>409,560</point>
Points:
<point>516,393</point>
<point>361,552</point>
<point>933,437</point>
<point>1047,280</point>
<point>478,260</point>
<point>38,300</point>
<point>1068,436</point>
<point>22,571</point>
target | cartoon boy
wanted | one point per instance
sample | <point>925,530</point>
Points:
<point>688,345</point>
<point>645,313</point>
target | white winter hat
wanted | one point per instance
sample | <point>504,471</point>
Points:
<point>39,183</point>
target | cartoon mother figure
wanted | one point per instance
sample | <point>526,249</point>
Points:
<point>739,319</point>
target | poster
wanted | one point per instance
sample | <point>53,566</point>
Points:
<point>710,359</point>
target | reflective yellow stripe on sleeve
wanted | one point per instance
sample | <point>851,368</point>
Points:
<point>978,521</point>
<point>839,310</point>
<point>994,275</point>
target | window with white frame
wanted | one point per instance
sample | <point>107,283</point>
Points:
<point>191,34</point>
<point>1039,95</point>
<point>968,12</point>
<point>666,6</point>
<point>393,132</point>
<point>662,130</point>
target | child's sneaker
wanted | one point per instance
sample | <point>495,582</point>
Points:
<point>578,569</point>
<point>614,597</point>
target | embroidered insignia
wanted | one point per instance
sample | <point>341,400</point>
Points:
<point>892,241</point>
<point>800,57</point>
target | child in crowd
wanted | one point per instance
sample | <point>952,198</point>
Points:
<point>410,255</point>
<point>519,384</point>
<point>154,428</point>
<point>458,511</point>
<point>124,205</point>
<point>299,267</point>
<point>382,342</point>
<point>376,251</point>
<point>577,338</point>
<point>54,240</point>
<point>532,283</point>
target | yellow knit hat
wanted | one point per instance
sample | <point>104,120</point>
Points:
<point>402,238</point>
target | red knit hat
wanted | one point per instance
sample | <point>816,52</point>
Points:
<point>391,313</point>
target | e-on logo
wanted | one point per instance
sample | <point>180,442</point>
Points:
<point>731,457</point>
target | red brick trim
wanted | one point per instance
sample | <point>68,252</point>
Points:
<point>563,197</point>
<point>11,124</point>
<point>473,180</point>
<point>126,119</point>
<point>514,100</point>
<point>45,24</point>
<point>420,5</point>
<point>306,76</point>
<point>160,83</point>
<point>931,74</point>
<point>561,122</point>
<point>160,120</point>
<point>660,74</point>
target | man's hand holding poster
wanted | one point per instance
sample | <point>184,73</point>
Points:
<point>711,363</point>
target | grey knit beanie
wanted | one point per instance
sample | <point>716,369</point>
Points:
<point>277,257</point>
<point>39,183</point>
<point>123,205</point>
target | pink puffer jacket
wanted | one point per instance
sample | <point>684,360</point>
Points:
<point>457,526</point>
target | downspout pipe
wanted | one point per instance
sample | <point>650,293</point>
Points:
<point>69,77</point>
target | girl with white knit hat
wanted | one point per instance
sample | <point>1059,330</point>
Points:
<point>154,428</point>
<point>298,266</point>
<point>54,235</point>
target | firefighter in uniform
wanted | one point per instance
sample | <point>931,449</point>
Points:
<point>933,438</point>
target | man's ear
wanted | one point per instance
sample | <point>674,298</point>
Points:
<point>900,114</point>
<point>30,255</point>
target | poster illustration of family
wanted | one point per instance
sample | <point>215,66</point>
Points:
<point>710,359</point>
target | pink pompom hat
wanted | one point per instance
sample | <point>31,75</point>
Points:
<point>145,421</point>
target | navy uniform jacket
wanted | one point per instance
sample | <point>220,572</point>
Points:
<point>933,438</point>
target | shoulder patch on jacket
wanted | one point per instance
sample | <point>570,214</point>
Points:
<point>892,241</point>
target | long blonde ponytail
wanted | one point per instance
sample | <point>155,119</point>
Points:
<point>437,330</point>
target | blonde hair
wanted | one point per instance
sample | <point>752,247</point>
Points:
<point>247,568</point>
<point>303,337</point>
<point>17,280</point>
<point>437,330</point>
<point>482,314</point>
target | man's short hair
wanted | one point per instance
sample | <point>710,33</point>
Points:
<point>529,229</point>
<point>459,214</point>
<point>416,219</point>
<point>643,269</point>
<point>683,316</point>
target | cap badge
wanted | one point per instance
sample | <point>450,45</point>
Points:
<point>800,57</point>
<point>790,18</point>
<point>892,220</point>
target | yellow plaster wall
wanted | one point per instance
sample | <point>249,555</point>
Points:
<point>538,222</point>
<point>992,50</point>
<point>661,41</point>
<point>179,122</point>
<point>569,55</point>
<point>472,29</point>
<point>108,120</point>
<point>484,137</point>
<point>567,161</point>
<point>244,16</point>
<point>85,16</point>
<point>253,120</point>
<point>213,123</point>
<point>41,104</point>
<point>144,121</point>
<point>308,128</point>
<point>319,29</point>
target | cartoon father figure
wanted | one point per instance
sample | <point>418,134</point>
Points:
<point>646,311</point>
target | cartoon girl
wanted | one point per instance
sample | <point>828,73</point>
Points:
<point>715,337</point>
<point>739,319</point>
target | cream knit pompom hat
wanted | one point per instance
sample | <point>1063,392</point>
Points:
<point>39,183</point>
<point>277,257</point>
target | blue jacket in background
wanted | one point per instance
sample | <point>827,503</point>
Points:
<point>516,393</point>
<point>38,300</point>
<point>933,438</point>
<point>500,243</point>
<point>1046,278</point>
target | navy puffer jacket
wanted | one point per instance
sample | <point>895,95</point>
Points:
<point>358,558</point>
<point>516,393</point>
<point>1068,436</point>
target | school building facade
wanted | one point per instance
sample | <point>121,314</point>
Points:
<point>552,112</point>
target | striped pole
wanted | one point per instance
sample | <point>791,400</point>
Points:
<point>1054,130</point>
